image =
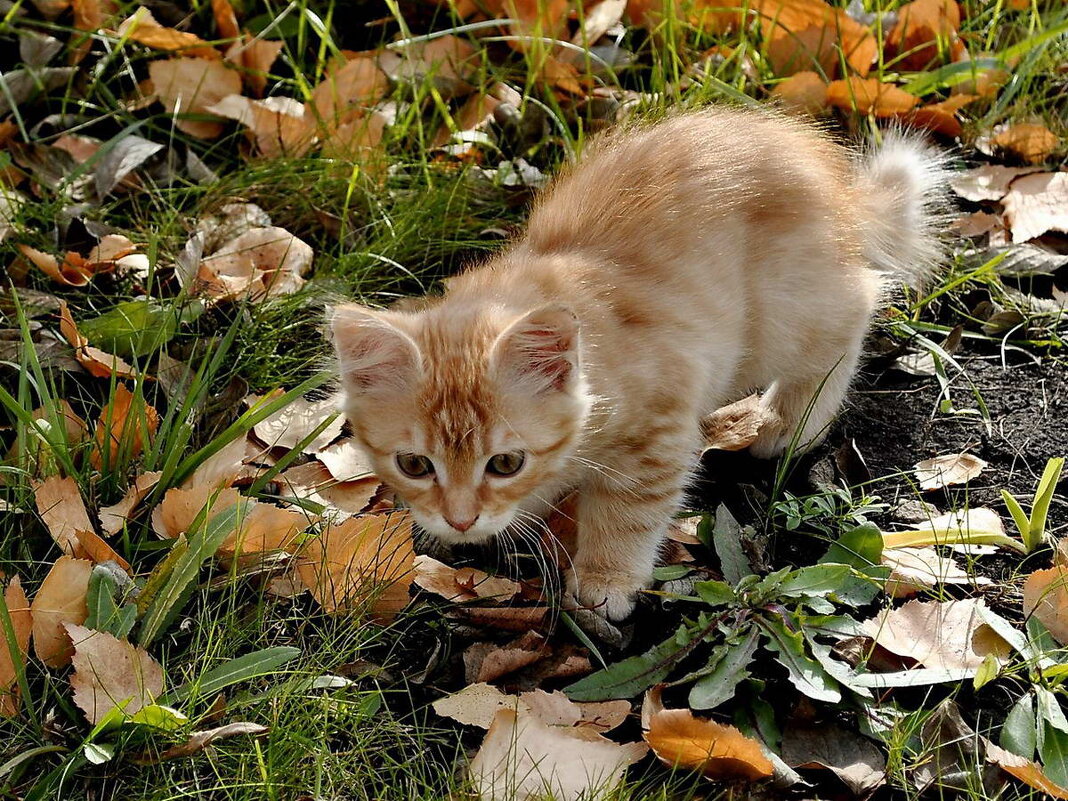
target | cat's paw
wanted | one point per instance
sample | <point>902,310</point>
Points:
<point>611,594</point>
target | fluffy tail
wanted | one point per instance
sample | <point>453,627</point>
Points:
<point>902,191</point>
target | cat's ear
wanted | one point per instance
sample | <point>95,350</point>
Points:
<point>374,354</point>
<point>540,350</point>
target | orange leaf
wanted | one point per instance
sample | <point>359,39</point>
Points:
<point>124,426</point>
<point>18,609</point>
<point>870,96</point>
<point>716,750</point>
<point>190,86</point>
<point>92,546</point>
<point>802,91</point>
<point>60,599</point>
<point>1025,770</point>
<point>225,19</point>
<point>143,28</point>
<point>920,25</point>
<point>1045,595</point>
<point>940,117</point>
<point>1032,142</point>
<point>67,274</point>
<point>542,18</point>
<point>800,33</point>
<point>254,59</point>
<point>59,503</point>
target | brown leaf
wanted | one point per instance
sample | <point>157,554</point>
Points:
<point>280,126</point>
<point>364,561</point>
<point>801,33</point>
<point>69,273</point>
<point>346,460</point>
<point>945,471</point>
<point>854,759</point>
<point>199,740</point>
<point>142,27</point>
<point>920,25</point>
<point>254,58</point>
<point>313,482</point>
<point>357,140</point>
<point>803,91</point>
<point>1025,770</point>
<point>718,751</point>
<point>735,426</point>
<point>475,704</point>
<point>358,83</point>
<point>91,545</point>
<point>1031,142</point>
<point>870,96</point>
<point>1045,595</point>
<point>598,19</point>
<point>94,360</point>
<point>125,426</point>
<point>180,507</point>
<point>295,422</point>
<point>110,673</point>
<point>915,569</point>
<point>225,19</point>
<point>534,18</point>
<point>940,117</point>
<point>260,263</point>
<point>18,609</point>
<point>989,182</point>
<point>266,528</point>
<point>60,599</point>
<point>113,518</point>
<point>978,223</point>
<point>59,503</point>
<point>1036,204</point>
<point>191,86</point>
<point>463,584</point>
<point>485,661</point>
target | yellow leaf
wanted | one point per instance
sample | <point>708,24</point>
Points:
<point>714,749</point>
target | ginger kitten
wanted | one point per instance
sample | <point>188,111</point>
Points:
<point>677,267</point>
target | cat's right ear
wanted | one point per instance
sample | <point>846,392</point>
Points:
<point>374,354</point>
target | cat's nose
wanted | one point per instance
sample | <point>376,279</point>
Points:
<point>462,525</point>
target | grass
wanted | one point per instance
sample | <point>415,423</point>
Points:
<point>348,717</point>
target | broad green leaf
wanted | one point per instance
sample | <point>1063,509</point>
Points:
<point>130,329</point>
<point>1054,754</point>
<point>861,547</point>
<point>804,672</point>
<point>631,676</point>
<point>988,671</point>
<point>671,572</point>
<point>727,540</point>
<point>234,671</point>
<point>1019,516</point>
<point>98,753</point>
<point>731,669</point>
<point>158,717</point>
<point>918,677</point>
<point>716,593</point>
<point>1018,733</point>
<point>815,581</point>
<point>1049,709</point>
<point>839,670</point>
<point>104,613</point>
<point>1047,485</point>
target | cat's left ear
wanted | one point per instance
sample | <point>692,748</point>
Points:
<point>540,350</point>
<point>374,354</point>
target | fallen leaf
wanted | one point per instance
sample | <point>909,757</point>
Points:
<point>1045,595</point>
<point>266,528</point>
<point>978,223</point>
<point>110,673</point>
<point>597,21</point>
<point>280,126</point>
<point>1036,204</point>
<point>180,506</point>
<point>71,272</point>
<point>254,57</point>
<point>484,661</point>
<point>1025,770</point>
<point>95,361</point>
<point>585,720</point>
<point>125,426</point>
<point>225,19</point>
<point>261,263</point>
<point>313,482</point>
<point>522,758</point>
<point>113,518</point>
<point>980,526</point>
<point>535,18</point>
<point>475,705</point>
<point>18,609</point>
<point>989,182</point>
<point>945,471</point>
<point>222,468</point>
<point>363,561</point>
<point>503,618</point>
<point>803,91</point>
<point>854,759</point>
<point>937,634</point>
<point>1031,142</point>
<point>735,426</point>
<point>801,33</point>
<point>356,84</point>
<point>199,740</point>
<point>463,584</point>
<point>716,750</point>
<point>295,422</point>
<point>915,569</point>
<point>345,460</point>
<point>920,26</point>
<point>143,28</point>
<point>97,550</point>
<point>940,117</point>
<point>870,96</point>
<point>190,86</point>
<point>59,503</point>
<point>60,599</point>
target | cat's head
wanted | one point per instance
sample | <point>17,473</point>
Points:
<point>465,412</point>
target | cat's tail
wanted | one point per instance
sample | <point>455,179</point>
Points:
<point>902,188</point>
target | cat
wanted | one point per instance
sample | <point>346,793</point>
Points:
<point>676,267</point>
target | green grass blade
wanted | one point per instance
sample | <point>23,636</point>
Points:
<point>1043,496</point>
<point>233,671</point>
<point>1019,517</point>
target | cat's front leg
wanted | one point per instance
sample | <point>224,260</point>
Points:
<point>621,525</point>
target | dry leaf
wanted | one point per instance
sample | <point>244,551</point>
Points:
<point>937,634</point>
<point>60,599</point>
<point>346,460</point>
<point>718,751</point>
<point>735,426</point>
<point>199,740</point>
<point>801,33</point>
<point>72,272</point>
<point>293,423</point>
<point>18,609</point>
<point>110,673</point>
<point>225,19</point>
<point>463,584</point>
<point>260,263</point>
<point>1045,595</point>
<point>59,503</point>
<point>113,518</point>
<point>181,505</point>
<point>947,528</point>
<point>978,223</point>
<point>190,86</point>
<point>484,661</point>
<point>915,569</point>
<point>940,117</point>
<point>1031,142</point>
<point>803,91</point>
<point>870,96</point>
<point>125,426</point>
<point>362,561</point>
<point>920,25</point>
<point>222,468</point>
<point>266,528</point>
<point>143,28</point>
<point>585,720</point>
<point>357,84</point>
<point>855,760</point>
<point>313,482</point>
<point>1024,769</point>
<point>254,58</point>
<point>475,704</point>
<point>944,471</point>
<point>598,19</point>
<point>97,550</point>
<point>989,182</point>
<point>535,18</point>
<point>1036,204</point>
<point>280,126</point>
<point>94,360</point>
<point>523,759</point>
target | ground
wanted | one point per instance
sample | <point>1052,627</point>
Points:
<point>400,142</point>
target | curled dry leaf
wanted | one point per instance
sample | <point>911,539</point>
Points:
<point>362,562</point>
<point>915,569</point>
<point>1031,142</point>
<point>143,28</point>
<point>254,58</point>
<point>113,518</point>
<point>735,426</point>
<point>1036,204</point>
<point>681,740</point>
<point>313,482</point>
<point>295,422</point>
<point>110,673</point>
<point>345,460</point>
<point>59,503</point>
<point>125,426</point>
<point>980,526</point>
<point>72,271</point>
<point>938,634</point>
<point>1045,595</point>
<point>944,471</point>
<point>91,545</point>
<point>989,182</point>
<point>94,360</point>
<point>803,91</point>
<point>484,661</point>
<point>18,609</point>
<point>260,263</point>
<point>190,86</point>
<point>940,117</point>
<point>1025,770</point>
<point>870,96</point>
<point>60,599</point>
<point>463,584</point>
<point>225,19</point>
<point>475,705</point>
<point>199,740</point>
<point>524,758</point>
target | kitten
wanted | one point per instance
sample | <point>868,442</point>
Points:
<point>677,267</point>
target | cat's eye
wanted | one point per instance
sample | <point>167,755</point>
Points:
<point>506,464</point>
<point>414,466</point>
